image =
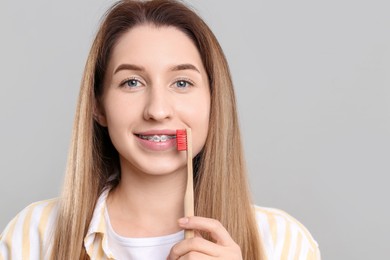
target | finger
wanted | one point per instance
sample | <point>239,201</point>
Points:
<point>212,226</point>
<point>197,233</point>
<point>194,255</point>
<point>196,244</point>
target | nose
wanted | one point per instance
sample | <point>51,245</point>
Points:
<point>158,105</point>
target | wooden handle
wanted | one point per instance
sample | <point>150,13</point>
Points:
<point>189,195</point>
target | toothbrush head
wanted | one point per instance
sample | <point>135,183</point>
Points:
<point>181,139</point>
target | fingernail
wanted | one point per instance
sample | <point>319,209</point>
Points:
<point>183,221</point>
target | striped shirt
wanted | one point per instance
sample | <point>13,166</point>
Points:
<point>284,237</point>
<point>28,235</point>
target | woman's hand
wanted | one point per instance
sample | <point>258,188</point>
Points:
<point>199,248</point>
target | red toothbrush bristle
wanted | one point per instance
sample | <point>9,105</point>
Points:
<point>181,139</point>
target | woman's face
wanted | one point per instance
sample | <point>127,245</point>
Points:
<point>155,83</point>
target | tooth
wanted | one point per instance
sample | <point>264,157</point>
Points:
<point>157,138</point>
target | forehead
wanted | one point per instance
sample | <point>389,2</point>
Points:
<point>148,45</point>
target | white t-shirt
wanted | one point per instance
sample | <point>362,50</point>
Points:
<point>157,248</point>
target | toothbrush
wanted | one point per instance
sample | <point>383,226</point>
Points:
<point>184,143</point>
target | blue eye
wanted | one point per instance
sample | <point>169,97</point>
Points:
<point>181,83</point>
<point>132,83</point>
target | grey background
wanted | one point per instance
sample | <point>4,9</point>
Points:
<point>312,82</point>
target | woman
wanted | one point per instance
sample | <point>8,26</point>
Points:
<point>154,67</point>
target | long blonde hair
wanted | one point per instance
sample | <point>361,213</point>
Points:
<point>221,189</point>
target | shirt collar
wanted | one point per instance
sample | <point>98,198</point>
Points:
<point>96,235</point>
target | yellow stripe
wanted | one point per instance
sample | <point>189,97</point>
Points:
<point>100,254</point>
<point>310,255</point>
<point>290,219</point>
<point>97,247</point>
<point>287,242</point>
<point>314,255</point>
<point>102,223</point>
<point>273,227</point>
<point>272,223</point>
<point>46,212</point>
<point>26,233</point>
<point>8,236</point>
<point>299,246</point>
<point>303,235</point>
<point>305,231</point>
<point>309,237</point>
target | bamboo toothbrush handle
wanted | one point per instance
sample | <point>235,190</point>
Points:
<point>189,195</point>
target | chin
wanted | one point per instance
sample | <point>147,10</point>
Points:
<point>156,166</point>
<point>164,168</point>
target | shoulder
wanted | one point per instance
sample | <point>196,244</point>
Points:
<point>283,236</point>
<point>27,235</point>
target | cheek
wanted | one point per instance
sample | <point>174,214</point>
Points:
<point>201,135</point>
<point>119,110</point>
<point>120,118</point>
<point>197,116</point>
<point>115,116</point>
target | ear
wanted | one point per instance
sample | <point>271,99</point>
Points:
<point>99,115</point>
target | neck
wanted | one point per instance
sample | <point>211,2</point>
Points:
<point>144,205</point>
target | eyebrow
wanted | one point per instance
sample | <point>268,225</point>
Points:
<point>129,67</point>
<point>186,66</point>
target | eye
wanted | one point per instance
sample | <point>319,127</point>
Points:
<point>183,83</point>
<point>131,83</point>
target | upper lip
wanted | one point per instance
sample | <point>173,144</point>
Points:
<point>158,132</point>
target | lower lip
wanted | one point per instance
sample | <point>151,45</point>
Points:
<point>157,146</point>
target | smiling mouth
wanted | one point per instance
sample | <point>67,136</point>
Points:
<point>157,138</point>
